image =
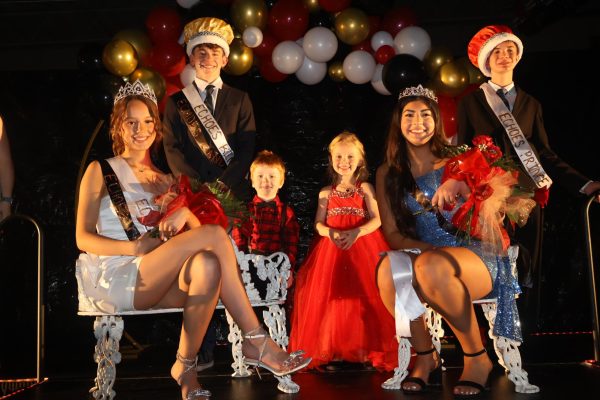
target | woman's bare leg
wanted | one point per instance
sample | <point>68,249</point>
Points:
<point>197,291</point>
<point>449,279</point>
<point>420,339</point>
<point>158,270</point>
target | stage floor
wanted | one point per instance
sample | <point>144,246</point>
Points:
<point>554,363</point>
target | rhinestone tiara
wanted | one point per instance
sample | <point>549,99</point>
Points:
<point>136,88</point>
<point>418,91</point>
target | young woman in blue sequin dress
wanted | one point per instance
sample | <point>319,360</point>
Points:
<point>449,273</point>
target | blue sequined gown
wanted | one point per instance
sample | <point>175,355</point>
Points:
<point>506,287</point>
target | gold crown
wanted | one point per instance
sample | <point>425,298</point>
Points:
<point>136,88</point>
<point>418,91</point>
<point>208,26</point>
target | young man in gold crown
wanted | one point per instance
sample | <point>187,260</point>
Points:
<point>208,127</point>
<point>513,118</point>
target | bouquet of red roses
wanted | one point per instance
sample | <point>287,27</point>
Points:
<point>211,203</point>
<point>492,180</point>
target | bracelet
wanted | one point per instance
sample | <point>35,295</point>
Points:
<point>6,199</point>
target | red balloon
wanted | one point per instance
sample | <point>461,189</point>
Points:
<point>288,19</point>
<point>469,89</point>
<point>397,19</point>
<point>163,25</point>
<point>365,45</point>
<point>168,58</point>
<point>265,49</point>
<point>384,53</point>
<point>334,6</point>
<point>174,80</point>
<point>374,24</point>
<point>447,106</point>
<point>171,88</point>
<point>269,72</point>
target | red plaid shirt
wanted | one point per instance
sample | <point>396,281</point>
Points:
<point>266,231</point>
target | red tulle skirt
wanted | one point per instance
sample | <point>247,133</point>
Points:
<point>338,314</point>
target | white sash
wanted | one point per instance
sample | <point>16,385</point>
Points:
<point>518,140</point>
<point>209,122</point>
<point>407,306</point>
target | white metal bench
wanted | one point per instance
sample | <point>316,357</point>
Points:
<point>274,270</point>
<point>506,349</point>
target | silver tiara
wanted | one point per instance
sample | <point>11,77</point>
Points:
<point>418,91</point>
<point>136,88</point>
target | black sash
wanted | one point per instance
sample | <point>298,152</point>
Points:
<point>196,130</point>
<point>118,199</point>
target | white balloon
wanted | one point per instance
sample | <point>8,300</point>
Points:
<point>381,38</point>
<point>320,44</point>
<point>287,57</point>
<point>252,37</point>
<point>187,3</point>
<point>311,72</point>
<point>377,81</point>
<point>413,40</point>
<point>359,66</point>
<point>187,75</point>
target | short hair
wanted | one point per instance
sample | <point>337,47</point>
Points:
<point>211,46</point>
<point>267,157</point>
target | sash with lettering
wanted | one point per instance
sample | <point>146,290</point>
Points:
<point>528,159</point>
<point>196,116</point>
<point>118,199</point>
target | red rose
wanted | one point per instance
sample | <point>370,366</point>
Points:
<point>541,196</point>
<point>483,141</point>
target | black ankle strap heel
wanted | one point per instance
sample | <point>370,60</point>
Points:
<point>478,353</point>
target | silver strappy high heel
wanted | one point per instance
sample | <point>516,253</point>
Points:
<point>296,360</point>
<point>190,365</point>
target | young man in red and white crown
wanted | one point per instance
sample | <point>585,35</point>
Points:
<point>513,118</point>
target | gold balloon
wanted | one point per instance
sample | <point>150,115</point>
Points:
<point>138,39</point>
<point>451,79</point>
<point>119,57</point>
<point>312,5</point>
<point>435,58</point>
<point>336,71</point>
<point>246,13</point>
<point>150,77</point>
<point>352,26</point>
<point>475,75</point>
<point>240,58</point>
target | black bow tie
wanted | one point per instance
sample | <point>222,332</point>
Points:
<point>267,204</point>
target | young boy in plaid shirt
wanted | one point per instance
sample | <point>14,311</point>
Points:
<point>272,226</point>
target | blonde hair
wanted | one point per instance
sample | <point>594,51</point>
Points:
<point>361,173</point>
<point>268,158</point>
<point>118,116</point>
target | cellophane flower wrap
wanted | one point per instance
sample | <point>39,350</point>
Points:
<point>492,180</point>
<point>211,203</point>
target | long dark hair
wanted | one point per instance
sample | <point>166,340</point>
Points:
<point>399,180</point>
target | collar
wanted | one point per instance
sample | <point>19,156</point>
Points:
<point>506,88</point>
<point>257,200</point>
<point>217,83</point>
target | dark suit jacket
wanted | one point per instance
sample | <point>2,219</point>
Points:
<point>235,116</point>
<point>475,117</point>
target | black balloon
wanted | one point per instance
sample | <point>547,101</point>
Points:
<point>270,3</point>
<point>99,92</point>
<point>403,71</point>
<point>89,58</point>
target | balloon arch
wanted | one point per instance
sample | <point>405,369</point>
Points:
<point>310,39</point>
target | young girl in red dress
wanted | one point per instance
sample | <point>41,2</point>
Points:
<point>338,314</point>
